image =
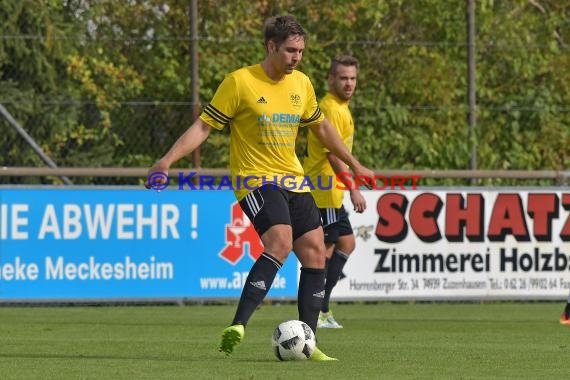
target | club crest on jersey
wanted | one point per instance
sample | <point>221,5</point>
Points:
<point>295,99</point>
<point>241,237</point>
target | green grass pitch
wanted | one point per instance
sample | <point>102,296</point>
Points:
<point>380,340</point>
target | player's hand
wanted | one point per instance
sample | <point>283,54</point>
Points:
<point>364,172</point>
<point>157,177</point>
<point>358,201</point>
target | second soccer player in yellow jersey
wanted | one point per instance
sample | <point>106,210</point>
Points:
<point>322,166</point>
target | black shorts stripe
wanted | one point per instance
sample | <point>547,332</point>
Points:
<point>253,203</point>
<point>335,223</point>
<point>331,216</point>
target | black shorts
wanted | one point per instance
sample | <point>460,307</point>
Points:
<point>269,205</point>
<point>335,223</point>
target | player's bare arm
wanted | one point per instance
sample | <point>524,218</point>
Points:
<point>328,135</point>
<point>194,136</point>
<point>357,199</point>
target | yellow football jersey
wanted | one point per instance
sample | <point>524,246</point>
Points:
<point>264,117</point>
<point>316,164</point>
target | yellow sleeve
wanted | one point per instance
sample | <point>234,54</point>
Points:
<point>312,114</point>
<point>224,104</point>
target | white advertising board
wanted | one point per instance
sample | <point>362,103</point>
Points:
<point>459,244</point>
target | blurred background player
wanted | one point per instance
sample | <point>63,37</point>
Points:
<point>565,317</point>
<point>320,162</point>
<point>264,105</point>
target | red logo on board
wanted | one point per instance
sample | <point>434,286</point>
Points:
<point>240,234</point>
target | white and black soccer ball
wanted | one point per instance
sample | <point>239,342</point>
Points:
<point>293,340</point>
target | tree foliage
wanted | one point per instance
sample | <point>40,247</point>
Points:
<point>101,83</point>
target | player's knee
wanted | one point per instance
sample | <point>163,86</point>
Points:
<point>279,248</point>
<point>346,244</point>
<point>348,249</point>
<point>311,255</point>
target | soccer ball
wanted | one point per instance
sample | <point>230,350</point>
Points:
<point>293,340</point>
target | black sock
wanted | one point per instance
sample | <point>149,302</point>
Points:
<point>310,297</point>
<point>256,286</point>
<point>567,310</point>
<point>334,271</point>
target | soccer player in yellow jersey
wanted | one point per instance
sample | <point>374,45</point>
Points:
<point>264,105</point>
<point>565,317</point>
<point>321,162</point>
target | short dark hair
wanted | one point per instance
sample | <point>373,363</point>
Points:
<point>279,28</point>
<point>345,60</point>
